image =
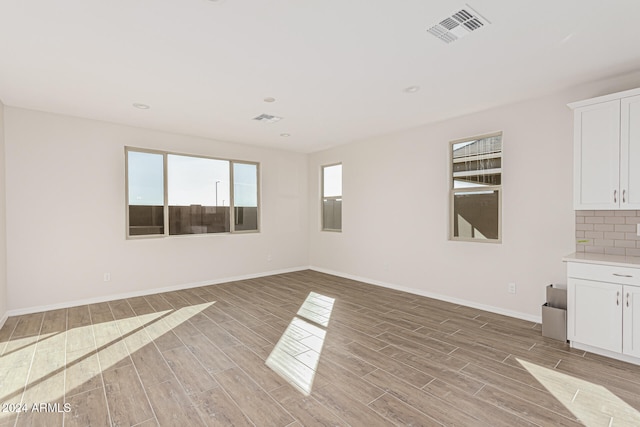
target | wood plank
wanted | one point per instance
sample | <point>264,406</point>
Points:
<point>151,366</point>
<point>487,413</point>
<point>436,410</point>
<point>193,377</point>
<point>400,413</point>
<point>351,410</point>
<point>212,358</point>
<point>171,405</point>
<point>28,325</point>
<point>306,409</point>
<point>128,403</point>
<point>87,409</point>
<point>82,372</point>
<point>255,403</point>
<point>217,409</point>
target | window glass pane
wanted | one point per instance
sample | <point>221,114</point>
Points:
<point>198,191</point>
<point>245,196</point>
<point>332,181</point>
<point>475,214</point>
<point>478,162</point>
<point>245,185</point>
<point>332,214</point>
<point>145,176</point>
<point>332,197</point>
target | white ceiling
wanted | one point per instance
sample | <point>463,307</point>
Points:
<point>337,68</point>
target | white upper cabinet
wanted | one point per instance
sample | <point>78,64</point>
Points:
<point>607,152</point>
<point>630,152</point>
<point>597,156</point>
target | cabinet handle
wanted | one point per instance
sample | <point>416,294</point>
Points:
<point>615,196</point>
<point>618,298</point>
<point>624,194</point>
<point>627,299</point>
<point>622,275</point>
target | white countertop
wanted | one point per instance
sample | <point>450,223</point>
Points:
<point>601,259</point>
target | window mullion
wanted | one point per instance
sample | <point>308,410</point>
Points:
<point>232,214</point>
<point>166,193</point>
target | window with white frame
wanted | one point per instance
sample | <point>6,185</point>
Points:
<point>332,197</point>
<point>176,194</point>
<point>476,188</point>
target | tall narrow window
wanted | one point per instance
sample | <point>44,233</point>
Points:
<point>245,196</point>
<point>476,188</point>
<point>174,194</point>
<point>332,197</point>
<point>145,193</point>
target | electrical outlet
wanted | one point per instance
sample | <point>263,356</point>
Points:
<point>269,258</point>
<point>511,288</point>
<point>638,229</point>
<point>107,277</point>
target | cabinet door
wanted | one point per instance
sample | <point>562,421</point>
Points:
<point>631,325</point>
<point>596,182</point>
<point>630,152</point>
<point>596,310</point>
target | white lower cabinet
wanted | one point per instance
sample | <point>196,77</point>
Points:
<point>603,309</point>
<point>596,314</point>
<point>631,321</point>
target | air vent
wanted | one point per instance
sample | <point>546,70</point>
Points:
<point>458,25</point>
<point>267,118</point>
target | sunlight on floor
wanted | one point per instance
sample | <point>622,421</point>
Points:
<point>36,365</point>
<point>592,404</point>
<point>296,355</point>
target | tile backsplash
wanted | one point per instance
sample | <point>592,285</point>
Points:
<point>608,232</point>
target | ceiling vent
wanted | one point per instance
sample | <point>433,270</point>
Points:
<point>267,118</point>
<point>458,25</point>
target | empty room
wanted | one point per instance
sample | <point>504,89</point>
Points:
<point>349,213</point>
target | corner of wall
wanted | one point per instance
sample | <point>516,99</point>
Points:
<point>3,234</point>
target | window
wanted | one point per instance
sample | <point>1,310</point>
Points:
<point>245,192</point>
<point>175,194</point>
<point>476,188</point>
<point>146,193</point>
<point>332,197</point>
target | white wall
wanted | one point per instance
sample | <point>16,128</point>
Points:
<point>66,214</point>
<point>3,235</point>
<point>407,247</point>
<point>65,211</point>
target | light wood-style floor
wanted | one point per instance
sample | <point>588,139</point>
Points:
<point>300,349</point>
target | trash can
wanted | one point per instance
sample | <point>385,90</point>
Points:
<point>554,313</point>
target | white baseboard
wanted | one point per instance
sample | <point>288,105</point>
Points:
<point>473,304</point>
<point>112,297</point>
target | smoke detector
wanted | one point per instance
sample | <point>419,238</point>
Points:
<point>267,118</point>
<point>458,25</point>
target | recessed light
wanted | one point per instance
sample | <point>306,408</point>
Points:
<point>141,106</point>
<point>412,89</point>
<point>285,135</point>
<point>269,99</point>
